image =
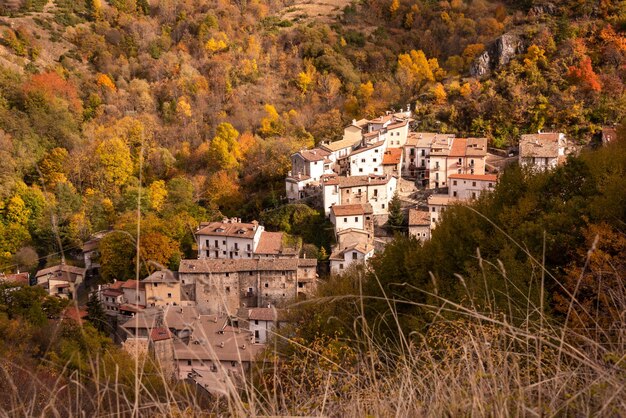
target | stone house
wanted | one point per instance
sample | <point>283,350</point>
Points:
<point>375,190</point>
<point>542,151</point>
<point>419,224</point>
<point>61,280</point>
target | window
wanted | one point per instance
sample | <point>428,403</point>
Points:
<point>460,160</point>
<point>454,194</point>
<point>383,206</point>
<point>454,182</point>
<point>248,247</point>
<point>156,285</point>
<point>256,322</point>
<point>434,210</point>
<point>267,285</point>
<point>169,295</point>
<point>473,195</point>
<point>356,219</point>
<point>473,184</point>
<point>376,150</point>
<point>490,184</point>
<point>217,243</point>
<point>423,153</point>
<point>362,160</point>
<point>354,255</point>
<point>224,252</point>
<point>207,243</point>
<point>375,192</point>
<point>376,169</point>
<point>233,363</point>
<point>341,266</point>
<point>227,289</point>
<point>300,285</point>
<point>360,170</point>
<point>188,362</point>
<point>374,160</point>
<point>458,171</point>
<point>227,274</point>
<point>224,242</point>
<point>345,220</point>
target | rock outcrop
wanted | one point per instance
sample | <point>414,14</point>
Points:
<point>500,53</point>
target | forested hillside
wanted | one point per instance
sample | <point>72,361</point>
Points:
<point>198,105</point>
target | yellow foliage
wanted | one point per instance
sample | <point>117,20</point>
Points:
<point>534,55</point>
<point>271,124</point>
<point>414,70</point>
<point>342,42</point>
<point>183,108</point>
<point>157,194</point>
<point>366,90</point>
<point>217,43</point>
<point>465,90</point>
<point>103,80</point>
<point>395,5</point>
<point>439,93</point>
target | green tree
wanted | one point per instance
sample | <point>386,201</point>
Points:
<point>96,314</point>
<point>395,222</point>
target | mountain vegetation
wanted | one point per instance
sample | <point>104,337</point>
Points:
<point>187,111</point>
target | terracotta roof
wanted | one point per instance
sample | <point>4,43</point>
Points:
<point>392,156</point>
<point>18,278</point>
<point>338,145</point>
<point>62,272</point>
<point>315,154</point>
<point>397,125</point>
<point>443,199</point>
<point>458,147</point>
<point>132,308</point>
<point>368,148</point>
<point>132,284</point>
<point>230,229</point>
<point>350,210</point>
<point>479,177</point>
<point>476,147</point>
<point>74,313</point>
<point>354,181</point>
<point>542,145</point>
<point>236,265</point>
<point>172,317</point>
<point>160,334</point>
<point>298,178</point>
<point>338,254</point>
<point>270,243</point>
<point>213,340</point>
<point>162,276</point>
<point>266,314</point>
<point>381,119</point>
<point>418,217</point>
<point>425,139</point>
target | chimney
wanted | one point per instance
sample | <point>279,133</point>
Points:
<point>222,344</point>
<point>243,347</point>
<point>354,121</point>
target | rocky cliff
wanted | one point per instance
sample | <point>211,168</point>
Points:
<point>499,53</point>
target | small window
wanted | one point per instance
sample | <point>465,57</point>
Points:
<point>362,160</point>
<point>473,184</point>
<point>354,255</point>
<point>356,219</point>
<point>383,206</point>
<point>188,362</point>
<point>267,285</point>
<point>224,242</point>
<point>233,363</point>
<point>156,285</point>
<point>256,322</point>
<point>227,274</point>
<point>227,289</point>
<point>300,285</point>
<point>360,170</point>
<point>169,295</point>
<point>341,266</point>
<point>374,160</point>
<point>434,210</point>
<point>454,194</point>
<point>345,220</point>
<point>454,182</point>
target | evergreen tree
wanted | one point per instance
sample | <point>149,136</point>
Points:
<point>96,314</point>
<point>395,222</point>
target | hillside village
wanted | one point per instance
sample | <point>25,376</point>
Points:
<point>210,319</point>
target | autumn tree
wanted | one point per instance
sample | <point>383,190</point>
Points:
<point>224,152</point>
<point>584,75</point>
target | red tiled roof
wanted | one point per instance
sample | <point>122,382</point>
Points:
<point>348,210</point>
<point>132,284</point>
<point>77,314</point>
<point>315,154</point>
<point>458,147</point>
<point>392,156</point>
<point>484,177</point>
<point>418,217</point>
<point>270,243</point>
<point>160,334</point>
<point>230,229</point>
